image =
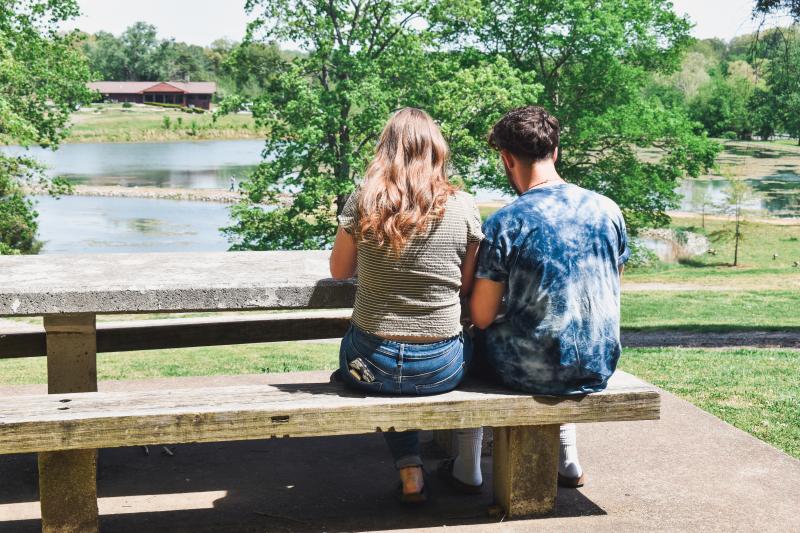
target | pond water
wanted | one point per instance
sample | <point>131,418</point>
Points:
<point>189,165</point>
<point>95,224</point>
<point>776,195</point>
<point>84,224</point>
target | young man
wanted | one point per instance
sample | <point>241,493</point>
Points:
<point>555,255</point>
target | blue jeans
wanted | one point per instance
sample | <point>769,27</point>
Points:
<point>405,369</point>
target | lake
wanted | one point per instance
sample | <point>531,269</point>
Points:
<point>94,224</point>
<point>88,224</point>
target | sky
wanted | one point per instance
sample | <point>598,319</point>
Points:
<point>203,21</point>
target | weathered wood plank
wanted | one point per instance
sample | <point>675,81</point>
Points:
<point>188,332</point>
<point>169,282</point>
<point>75,421</point>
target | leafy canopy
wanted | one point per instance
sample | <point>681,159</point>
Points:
<point>324,110</point>
<point>594,61</point>
<point>42,78</point>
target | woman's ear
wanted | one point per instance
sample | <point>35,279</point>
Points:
<point>555,155</point>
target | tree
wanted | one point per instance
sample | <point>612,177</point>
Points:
<point>726,104</point>
<point>360,61</point>
<point>594,60</point>
<point>42,79</point>
<point>783,77</point>
<point>768,7</point>
<point>733,204</point>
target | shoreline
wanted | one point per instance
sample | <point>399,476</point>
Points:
<point>220,196</point>
<point>224,196</point>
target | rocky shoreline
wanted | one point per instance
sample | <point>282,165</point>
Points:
<point>161,193</point>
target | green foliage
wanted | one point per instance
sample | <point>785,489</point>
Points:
<point>166,122</point>
<point>790,7</point>
<point>595,62</point>
<point>725,104</point>
<point>325,109</point>
<point>641,256</point>
<point>732,204</point>
<point>137,54</point>
<point>42,80</point>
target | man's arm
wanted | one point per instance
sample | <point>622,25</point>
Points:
<point>487,296</point>
<point>343,256</point>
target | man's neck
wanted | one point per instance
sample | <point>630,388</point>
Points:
<point>539,173</point>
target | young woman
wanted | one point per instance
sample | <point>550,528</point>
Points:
<point>412,240</point>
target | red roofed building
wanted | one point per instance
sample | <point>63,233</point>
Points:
<point>189,94</point>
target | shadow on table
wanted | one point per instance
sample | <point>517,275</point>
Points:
<point>310,484</point>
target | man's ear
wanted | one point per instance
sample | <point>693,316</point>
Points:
<point>555,155</point>
<point>509,160</point>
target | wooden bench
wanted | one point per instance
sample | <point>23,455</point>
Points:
<point>526,434</point>
<point>67,426</point>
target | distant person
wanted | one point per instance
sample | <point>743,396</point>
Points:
<point>555,255</point>
<point>232,184</point>
<point>412,238</point>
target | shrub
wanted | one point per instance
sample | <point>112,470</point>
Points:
<point>127,105</point>
<point>166,122</point>
<point>641,256</point>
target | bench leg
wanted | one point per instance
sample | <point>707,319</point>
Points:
<point>525,470</point>
<point>68,479</point>
<point>68,491</point>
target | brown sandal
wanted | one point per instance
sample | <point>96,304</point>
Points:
<point>413,498</point>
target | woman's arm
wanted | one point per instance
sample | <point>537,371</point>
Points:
<point>468,268</point>
<point>343,256</point>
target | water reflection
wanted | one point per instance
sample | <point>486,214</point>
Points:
<point>776,195</point>
<point>190,165</point>
<point>82,224</point>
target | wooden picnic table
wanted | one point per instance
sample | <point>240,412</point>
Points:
<point>69,291</point>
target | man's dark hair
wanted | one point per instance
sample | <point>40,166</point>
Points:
<point>528,132</point>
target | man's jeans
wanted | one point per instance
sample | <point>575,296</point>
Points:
<point>404,369</point>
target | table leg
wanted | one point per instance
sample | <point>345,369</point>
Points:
<point>68,479</point>
<point>525,470</point>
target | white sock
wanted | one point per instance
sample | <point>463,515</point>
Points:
<point>467,465</point>
<point>568,464</point>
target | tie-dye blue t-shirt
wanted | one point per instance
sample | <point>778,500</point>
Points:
<point>558,249</point>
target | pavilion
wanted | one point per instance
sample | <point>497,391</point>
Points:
<point>189,94</point>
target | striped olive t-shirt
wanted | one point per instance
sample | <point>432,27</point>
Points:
<point>415,293</point>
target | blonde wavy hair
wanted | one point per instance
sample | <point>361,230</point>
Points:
<point>406,185</point>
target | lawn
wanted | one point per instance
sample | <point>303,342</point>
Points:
<point>140,123</point>
<point>757,391</point>
<point>758,265</point>
<point>711,310</point>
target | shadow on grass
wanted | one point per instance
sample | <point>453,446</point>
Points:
<point>711,336</point>
<point>698,263</point>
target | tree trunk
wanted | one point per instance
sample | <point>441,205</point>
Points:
<point>736,244</point>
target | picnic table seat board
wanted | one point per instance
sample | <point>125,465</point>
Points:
<point>526,437</point>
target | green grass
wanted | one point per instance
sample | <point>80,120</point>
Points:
<point>113,123</point>
<point>757,391</point>
<point>756,264</point>
<point>203,361</point>
<point>706,310</point>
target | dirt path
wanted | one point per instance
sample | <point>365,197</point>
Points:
<point>729,339</point>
